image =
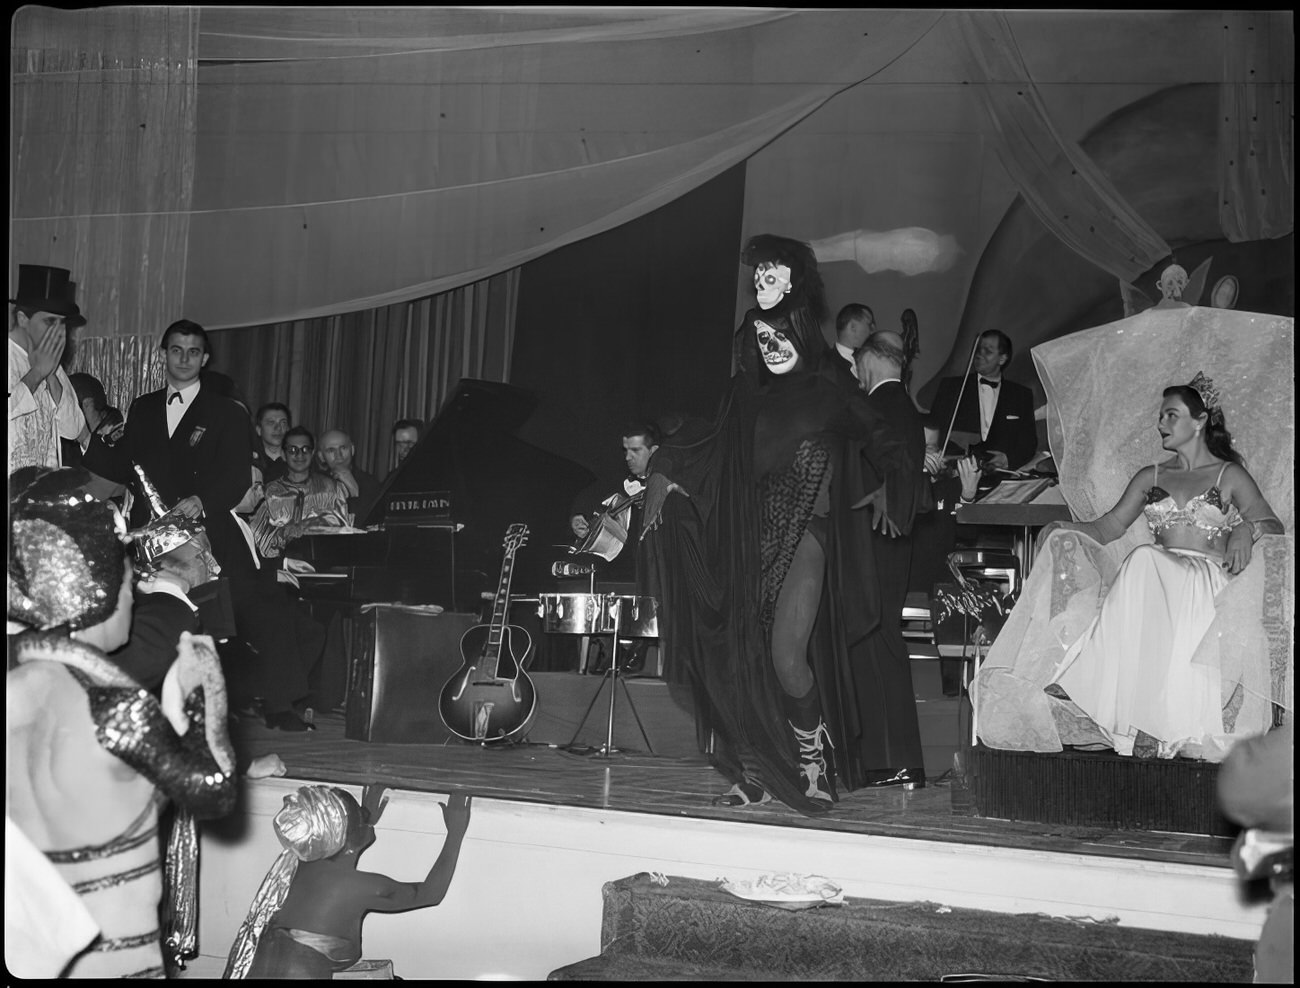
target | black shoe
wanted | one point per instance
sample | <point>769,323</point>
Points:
<point>287,720</point>
<point>908,778</point>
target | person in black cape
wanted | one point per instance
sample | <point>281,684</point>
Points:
<point>761,562</point>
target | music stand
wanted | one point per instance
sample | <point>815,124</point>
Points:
<point>615,678</point>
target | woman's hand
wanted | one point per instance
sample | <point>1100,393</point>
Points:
<point>1236,554</point>
<point>455,814</point>
<point>657,489</point>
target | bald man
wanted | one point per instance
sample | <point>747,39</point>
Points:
<point>890,742</point>
<point>334,456</point>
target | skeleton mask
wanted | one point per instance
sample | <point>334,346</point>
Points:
<point>771,281</point>
<point>778,353</point>
<point>1173,280</point>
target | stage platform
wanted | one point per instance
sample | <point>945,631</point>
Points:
<point>551,828</point>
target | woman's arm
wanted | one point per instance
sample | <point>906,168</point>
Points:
<point>1116,521</point>
<point>400,896</point>
<point>1258,518</point>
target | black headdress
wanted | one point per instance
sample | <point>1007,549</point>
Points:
<point>802,310</point>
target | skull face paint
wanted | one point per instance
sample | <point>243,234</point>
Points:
<point>771,281</point>
<point>778,353</point>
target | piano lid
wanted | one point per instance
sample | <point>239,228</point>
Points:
<point>492,479</point>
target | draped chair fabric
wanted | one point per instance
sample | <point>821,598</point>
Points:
<point>1070,195</point>
<point>1257,126</point>
<point>362,371</point>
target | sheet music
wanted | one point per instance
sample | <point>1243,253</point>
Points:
<point>1016,491</point>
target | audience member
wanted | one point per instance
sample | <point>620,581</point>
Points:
<point>853,324</point>
<point>406,433</point>
<point>173,557</point>
<point>298,501</point>
<point>1000,412</point>
<point>196,448</point>
<point>42,402</point>
<point>272,421</point>
<point>93,403</point>
<point>89,777</point>
<point>890,740</point>
<point>335,459</point>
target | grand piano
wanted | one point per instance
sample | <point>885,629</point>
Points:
<point>436,529</point>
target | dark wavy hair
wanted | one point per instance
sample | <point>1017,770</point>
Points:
<point>1218,440</point>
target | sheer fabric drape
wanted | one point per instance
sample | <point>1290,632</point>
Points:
<point>362,371</point>
<point>1103,387</point>
<point>1070,195</point>
<point>1257,126</point>
<point>102,156</point>
<point>448,146</point>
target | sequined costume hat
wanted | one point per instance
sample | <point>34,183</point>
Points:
<point>65,550</point>
<point>161,536</point>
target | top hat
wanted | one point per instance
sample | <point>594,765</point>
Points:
<point>77,321</point>
<point>46,289</point>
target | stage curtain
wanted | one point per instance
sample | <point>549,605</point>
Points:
<point>1059,182</point>
<point>102,163</point>
<point>355,159</point>
<point>1257,126</point>
<point>361,371</point>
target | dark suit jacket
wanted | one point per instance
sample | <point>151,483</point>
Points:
<point>157,620</point>
<point>896,451</point>
<point>1012,430</point>
<point>208,456</point>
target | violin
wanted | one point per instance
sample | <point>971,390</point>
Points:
<point>607,533</point>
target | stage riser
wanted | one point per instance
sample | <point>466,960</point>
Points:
<point>704,930</point>
<point>527,898</point>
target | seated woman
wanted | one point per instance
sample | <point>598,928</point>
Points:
<point>305,920</point>
<point>1132,672</point>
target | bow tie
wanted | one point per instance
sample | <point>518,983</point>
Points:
<point>174,396</point>
<point>632,486</point>
<point>984,381</point>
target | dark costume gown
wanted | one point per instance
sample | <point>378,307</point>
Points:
<point>784,453</point>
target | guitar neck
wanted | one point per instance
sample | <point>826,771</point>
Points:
<point>500,612</point>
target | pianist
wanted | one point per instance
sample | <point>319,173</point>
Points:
<point>298,502</point>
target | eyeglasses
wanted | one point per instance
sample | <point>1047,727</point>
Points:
<point>298,449</point>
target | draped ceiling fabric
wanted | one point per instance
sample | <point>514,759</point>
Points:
<point>1070,195</point>
<point>1257,127</point>
<point>102,166</point>
<point>353,159</point>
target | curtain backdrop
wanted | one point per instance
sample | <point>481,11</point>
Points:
<point>388,155</point>
<point>1070,195</point>
<point>362,371</point>
<point>102,160</point>
<point>1257,126</point>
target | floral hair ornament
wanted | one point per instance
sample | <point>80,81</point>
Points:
<point>1204,387</point>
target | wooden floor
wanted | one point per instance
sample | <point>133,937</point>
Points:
<point>645,784</point>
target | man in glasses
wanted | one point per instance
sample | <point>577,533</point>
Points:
<point>300,500</point>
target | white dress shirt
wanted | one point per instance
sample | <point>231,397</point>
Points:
<point>847,354</point>
<point>988,404</point>
<point>176,409</point>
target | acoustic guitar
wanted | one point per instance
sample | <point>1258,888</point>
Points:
<point>607,533</point>
<point>491,698</point>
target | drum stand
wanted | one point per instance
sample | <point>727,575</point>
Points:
<point>615,677</point>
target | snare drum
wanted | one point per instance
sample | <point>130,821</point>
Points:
<point>638,617</point>
<point>574,614</point>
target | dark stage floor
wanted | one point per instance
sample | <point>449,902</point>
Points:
<point>641,783</point>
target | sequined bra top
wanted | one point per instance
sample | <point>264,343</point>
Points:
<point>1205,511</point>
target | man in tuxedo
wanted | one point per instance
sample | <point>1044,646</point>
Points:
<point>195,447</point>
<point>890,742</point>
<point>853,324</point>
<point>999,411</point>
